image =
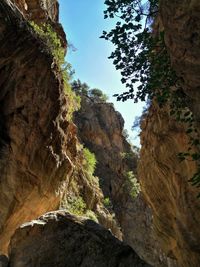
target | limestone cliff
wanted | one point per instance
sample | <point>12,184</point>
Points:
<point>164,178</point>
<point>40,154</point>
<point>100,128</point>
<point>180,20</point>
<point>166,187</point>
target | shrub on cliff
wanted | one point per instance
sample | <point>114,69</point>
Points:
<point>83,89</point>
<point>53,43</point>
<point>89,162</point>
<point>132,184</point>
<point>97,94</point>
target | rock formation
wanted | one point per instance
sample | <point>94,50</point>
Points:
<point>40,154</point>
<point>180,20</point>
<point>165,186</point>
<point>100,128</point>
<point>38,144</point>
<point>60,239</point>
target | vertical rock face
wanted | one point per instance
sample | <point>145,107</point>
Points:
<point>176,209</point>
<point>40,157</point>
<point>37,143</point>
<point>180,20</point>
<point>165,179</point>
<point>60,239</point>
<point>100,128</point>
<point>39,10</point>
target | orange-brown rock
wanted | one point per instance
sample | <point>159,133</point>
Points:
<point>43,11</point>
<point>100,128</point>
<point>180,20</point>
<point>40,155</point>
<point>60,239</point>
<point>39,10</point>
<point>176,209</point>
<point>38,145</point>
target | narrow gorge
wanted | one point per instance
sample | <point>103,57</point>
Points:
<point>73,191</point>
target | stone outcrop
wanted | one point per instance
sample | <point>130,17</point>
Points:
<point>37,142</point>
<point>100,128</point>
<point>180,20</point>
<point>60,239</point>
<point>39,10</point>
<point>40,156</point>
<point>43,11</point>
<point>165,185</point>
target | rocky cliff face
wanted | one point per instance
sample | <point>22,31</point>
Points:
<point>100,128</point>
<point>37,142</point>
<point>165,185</point>
<point>180,20</point>
<point>60,239</point>
<point>40,155</point>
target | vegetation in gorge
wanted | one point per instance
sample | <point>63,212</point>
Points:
<point>76,205</point>
<point>142,58</point>
<point>107,202</point>
<point>83,89</point>
<point>132,184</point>
<point>89,161</point>
<point>54,46</point>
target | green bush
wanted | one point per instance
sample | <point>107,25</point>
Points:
<point>50,37</point>
<point>91,215</point>
<point>107,203</point>
<point>74,205</point>
<point>98,94</point>
<point>89,160</point>
<point>132,184</point>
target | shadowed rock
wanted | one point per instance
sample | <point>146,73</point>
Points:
<point>60,239</point>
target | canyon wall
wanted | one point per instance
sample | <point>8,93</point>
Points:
<point>165,179</point>
<point>41,158</point>
<point>176,209</point>
<point>100,128</point>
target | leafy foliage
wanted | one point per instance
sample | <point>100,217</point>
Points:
<point>98,94</point>
<point>75,205</point>
<point>83,89</point>
<point>53,43</point>
<point>107,202</point>
<point>132,184</point>
<point>141,56</point>
<point>50,37</point>
<point>89,160</point>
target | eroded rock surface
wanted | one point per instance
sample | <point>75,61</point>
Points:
<point>37,142</point>
<point>100,128</point>
<point>40,156</point>
<point>176,209</point>
<point>60,239</point>
<point>180,20</point>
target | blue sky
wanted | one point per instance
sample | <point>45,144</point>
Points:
<point>83,23</point>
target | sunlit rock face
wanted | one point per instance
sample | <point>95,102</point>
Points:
<point>100,128</point>
<point>39,10</point>
<point>60,239</point>
<point>43,11</point>
<point>165,179</point>
<point>180,20</point>
<point>37,143</point>
<point>176,209</point>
